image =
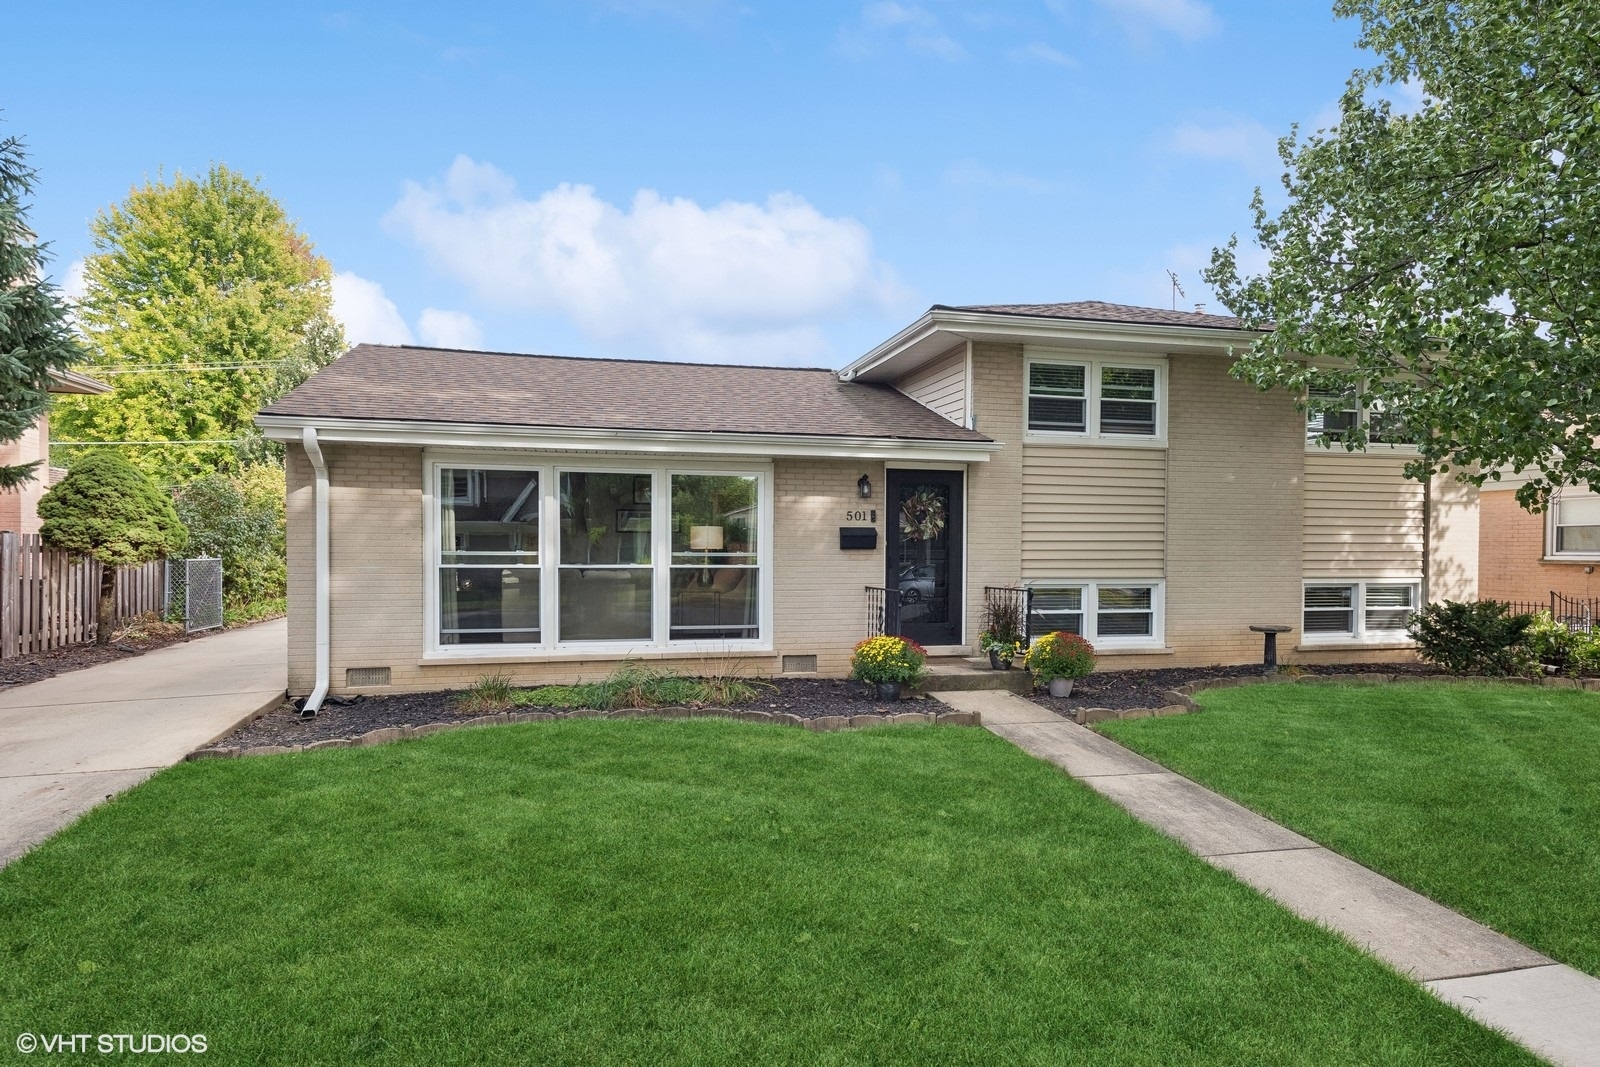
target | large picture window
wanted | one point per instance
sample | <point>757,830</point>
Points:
<point>605,559</point>
<point>489,567</point>
<point>1111,401</point>
<point>575,555</point>
<point>715,557</point>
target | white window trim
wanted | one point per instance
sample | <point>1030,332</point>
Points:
<point>1550,516</point>
<point>1093,362</point>
<point>1091,610</point>
<point>549,467</point>
<point>1361,636</point>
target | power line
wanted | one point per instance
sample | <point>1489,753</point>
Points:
<point>159,368</point>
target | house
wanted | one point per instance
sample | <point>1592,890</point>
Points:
<point>19,508</point>
<point>1525,557</point>
<point>546,517</point>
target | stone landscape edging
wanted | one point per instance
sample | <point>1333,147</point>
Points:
<point>1181,700</point>
<point>388,734</point>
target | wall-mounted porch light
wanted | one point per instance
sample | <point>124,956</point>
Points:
<point>864,486</point>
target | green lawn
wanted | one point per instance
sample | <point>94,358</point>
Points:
<point>694,892</point>
<point>1483,797</point>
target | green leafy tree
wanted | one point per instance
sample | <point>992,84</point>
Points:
<point>241,521</point>
<point>1445,262</point>
<point>108,509</point>
<point>35,337</point>
<point>203,302</point>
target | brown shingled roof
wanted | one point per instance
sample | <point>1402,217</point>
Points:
<point>408,383</point>
<point>1099,311</point>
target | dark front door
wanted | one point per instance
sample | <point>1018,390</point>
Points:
<point>924,553</point>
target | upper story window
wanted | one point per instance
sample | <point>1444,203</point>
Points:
<point>1575,525</point>
<point>1344,410</point>
<point>1103,400</point>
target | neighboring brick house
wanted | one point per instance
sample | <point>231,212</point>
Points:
<point>19,508</point>
<point>1525,557</point>
<point>547,517</point>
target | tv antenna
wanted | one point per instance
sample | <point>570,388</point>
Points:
<point>1177,290</point>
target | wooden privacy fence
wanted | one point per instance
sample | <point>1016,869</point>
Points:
<point>50,600</point>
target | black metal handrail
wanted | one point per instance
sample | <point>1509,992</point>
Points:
<point>883,610</point>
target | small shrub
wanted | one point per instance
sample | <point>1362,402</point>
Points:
<point>889,659</point>
<point>1482,638</point>
<point>489,694</point>
<point>636,685</point>
<point>1584,657</point>
<point>1060,655</point>
<point>1550,642</point>
<point>725,683</point>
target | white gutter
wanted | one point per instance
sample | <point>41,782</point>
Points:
<point>1041,329</point>
<point>567,439</point>
<point>319,466</point>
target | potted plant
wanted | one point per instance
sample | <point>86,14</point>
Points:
<point>1003,636</point>
<point>888,664</point>
<point>1058,658</point>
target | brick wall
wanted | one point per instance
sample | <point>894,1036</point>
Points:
<point>994,488</point>
<point>1235,466</point>
<point>1511,550</point>
<point>820,591</point>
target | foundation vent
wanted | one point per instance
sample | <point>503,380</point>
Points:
<point>354,676</point>
<point>799,664</point>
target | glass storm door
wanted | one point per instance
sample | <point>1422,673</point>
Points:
<point>924,553</point>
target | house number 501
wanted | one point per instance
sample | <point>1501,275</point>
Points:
<point>861,516</point>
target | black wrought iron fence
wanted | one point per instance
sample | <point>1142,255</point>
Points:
<point>883,610</point>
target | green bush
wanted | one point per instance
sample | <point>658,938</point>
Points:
<point>1482,638</point>
<point>240,521</point>
<point>1550,642</point>
<point>630,685</point>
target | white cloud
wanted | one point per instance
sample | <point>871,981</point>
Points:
<point>1188,19</point>
<point>1243,141</point>
<point>914,27</point>
<point>74,282</point>
<point>1039,52</point>
<point>368,316</point>
<point>449,329</point>
<point>736,281</point>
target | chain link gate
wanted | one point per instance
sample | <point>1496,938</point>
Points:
<point>194,593</point>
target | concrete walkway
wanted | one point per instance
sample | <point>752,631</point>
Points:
<point>71,741</point>
<point>1550,1008</point>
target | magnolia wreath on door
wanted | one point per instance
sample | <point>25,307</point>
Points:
<point>922,516</point>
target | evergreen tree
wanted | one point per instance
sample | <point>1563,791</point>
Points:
<point>35,337</point>
<point>106,508</point>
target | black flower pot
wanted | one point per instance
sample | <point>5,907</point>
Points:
<point>888,690</point>
<point>999,663</point>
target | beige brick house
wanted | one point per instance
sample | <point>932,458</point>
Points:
<point>19,507</point>
<point>548,517</point>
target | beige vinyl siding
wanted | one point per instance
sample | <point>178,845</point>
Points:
<point>941,385</point>
<point>1363,518</point>
<point>1093,512</point>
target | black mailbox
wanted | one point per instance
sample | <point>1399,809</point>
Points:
<point>858,537</point>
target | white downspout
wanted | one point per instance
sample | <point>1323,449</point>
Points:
<point>319,466</point>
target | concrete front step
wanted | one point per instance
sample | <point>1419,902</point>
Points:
<point>962,675</point>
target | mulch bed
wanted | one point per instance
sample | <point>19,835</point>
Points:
<point>808,698</point>
<point>42,665</point>
<point>1144,689</point>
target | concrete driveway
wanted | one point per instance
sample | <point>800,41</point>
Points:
<point>69,742</point>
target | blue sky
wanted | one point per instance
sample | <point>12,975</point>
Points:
<point>690,179</point>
